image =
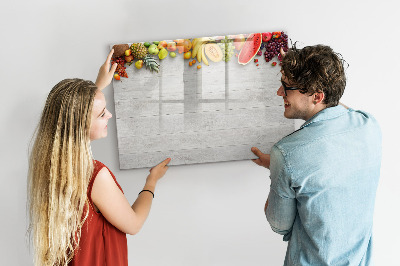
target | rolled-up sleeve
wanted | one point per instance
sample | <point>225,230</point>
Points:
<point>281,210</point>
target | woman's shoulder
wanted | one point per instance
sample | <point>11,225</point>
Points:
<point>97,164</point>
<point>103,171</point>
<point>97,167</point>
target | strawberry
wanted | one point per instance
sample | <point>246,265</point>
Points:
<point>276,34</point>
<point>273,64</point>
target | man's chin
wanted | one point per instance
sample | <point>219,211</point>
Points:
<point>287,115</point>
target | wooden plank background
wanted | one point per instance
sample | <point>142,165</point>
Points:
<point>216,113</point>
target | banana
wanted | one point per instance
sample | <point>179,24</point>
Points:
<point>194,41</point>
<point>199,54</point>
<point>196,48</point>
<point>205,61</point>
<point>197,43</point>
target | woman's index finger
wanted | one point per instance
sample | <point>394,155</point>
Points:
<point>109,56</point>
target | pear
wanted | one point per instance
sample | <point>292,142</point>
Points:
<point>163,53</point>
<point>139,64</point>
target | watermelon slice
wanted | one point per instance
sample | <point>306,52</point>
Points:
<point>250,48</point>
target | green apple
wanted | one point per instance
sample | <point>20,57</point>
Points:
<point>153,49</point>
<point>172,54</point>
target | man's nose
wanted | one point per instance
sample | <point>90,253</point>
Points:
<point>280,91</point>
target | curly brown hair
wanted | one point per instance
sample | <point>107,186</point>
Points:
<point>316,69</point>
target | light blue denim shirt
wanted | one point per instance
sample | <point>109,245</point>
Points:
<point>323,183</point>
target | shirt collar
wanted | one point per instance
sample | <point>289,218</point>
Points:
<point>325,114</point>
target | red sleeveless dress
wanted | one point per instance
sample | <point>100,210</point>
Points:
<point>101,243</point>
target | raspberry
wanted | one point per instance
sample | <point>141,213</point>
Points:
<point>120,66</point>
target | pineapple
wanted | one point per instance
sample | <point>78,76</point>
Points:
<point>138,50</point>
<point>151,63</point>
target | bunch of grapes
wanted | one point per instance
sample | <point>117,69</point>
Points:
<point>274,45</point>
<point>120,66</point>
<point>227,48</point>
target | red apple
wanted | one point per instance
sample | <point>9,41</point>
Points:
<point>266,36</point>
<point>171,46</point>
<point>129,58</point>
<point>162,44</point>
<point>180,48</point>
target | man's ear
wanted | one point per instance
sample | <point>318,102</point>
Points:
<point>318,97</point>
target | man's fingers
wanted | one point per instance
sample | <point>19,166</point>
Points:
<point>256,151</point>
<point>257,161</point>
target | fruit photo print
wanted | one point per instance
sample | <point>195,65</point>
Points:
<point>198,100</point>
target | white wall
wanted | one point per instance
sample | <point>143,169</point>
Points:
<point>208,214</point>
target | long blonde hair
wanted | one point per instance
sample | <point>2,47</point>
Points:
<point>60,167</point>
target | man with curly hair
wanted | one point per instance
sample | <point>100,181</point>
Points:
<point>325,174</point>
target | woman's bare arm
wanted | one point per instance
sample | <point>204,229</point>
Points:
<point>114,206</point>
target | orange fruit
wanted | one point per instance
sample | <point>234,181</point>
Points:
<point>199,66</point>
<point>179,41</point>
<point>187,45</point>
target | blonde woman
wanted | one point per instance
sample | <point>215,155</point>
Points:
<point>78,212</point>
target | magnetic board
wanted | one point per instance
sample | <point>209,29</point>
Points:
<point>212,113</point>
